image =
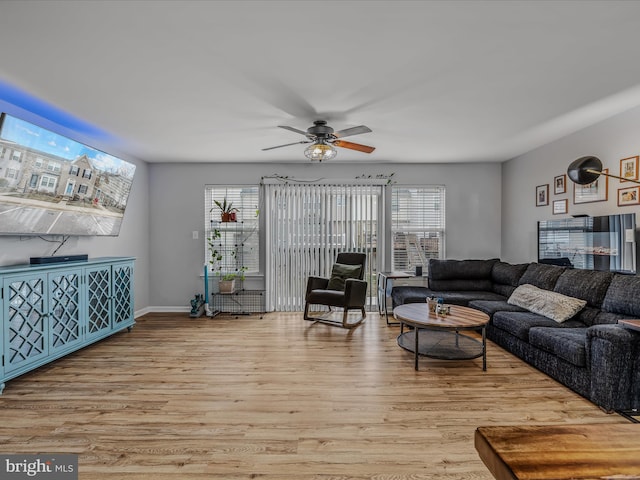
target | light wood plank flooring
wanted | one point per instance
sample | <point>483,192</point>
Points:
<point>273,398</point>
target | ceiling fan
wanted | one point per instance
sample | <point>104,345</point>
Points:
<point>323,138</point>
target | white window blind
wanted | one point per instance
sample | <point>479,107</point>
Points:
<point>240,239</point>
<point>307,226</point>
<point>417,226</point>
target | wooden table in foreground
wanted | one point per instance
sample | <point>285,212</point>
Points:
<point>630,324</point>
<point>561,452</point>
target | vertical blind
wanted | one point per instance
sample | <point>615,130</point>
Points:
<point>307,225</point>
<point>417,226</point>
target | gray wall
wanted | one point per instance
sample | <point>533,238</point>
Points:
<point>490,207</point>
<point>177,209</point>
<point>134,233</point>
<point>610,141</point>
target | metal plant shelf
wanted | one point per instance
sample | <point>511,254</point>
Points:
<point>240,302</point>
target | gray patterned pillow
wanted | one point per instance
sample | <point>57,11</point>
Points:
<point>552,305</point>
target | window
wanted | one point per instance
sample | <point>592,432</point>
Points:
<point>82,189</point>
<point>39,162</point>
<point>48,183</point>
<point>11,173</point>
<point>53,167</point>
<point>86,173</point>
<point>16,156</point>
<point>241,237</point>
<point>74,170</point>
<point>417,226</point>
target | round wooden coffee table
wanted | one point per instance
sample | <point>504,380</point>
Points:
<point>443,339</point>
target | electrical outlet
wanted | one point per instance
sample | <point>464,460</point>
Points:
<point>194,234</point>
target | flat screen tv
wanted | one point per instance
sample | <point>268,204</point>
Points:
<point>52,185</point>
<point>606,243</point>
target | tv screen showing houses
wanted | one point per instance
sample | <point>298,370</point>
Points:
<point>52,185</point>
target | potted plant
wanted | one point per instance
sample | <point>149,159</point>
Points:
<point>227,283</point>
<point>227,211</point>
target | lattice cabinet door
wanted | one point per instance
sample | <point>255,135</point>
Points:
<point>25,326</point>
<point>65,307</point>
<point>48,311</point>
<point>122,294</point>
<point>98,300</point>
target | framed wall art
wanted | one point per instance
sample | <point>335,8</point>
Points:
<point>629,169</point>
<point>560,206</point>
<point>560,184</point>
<point>597,191</point>
<point>542,195</point>
<point>628,196</point>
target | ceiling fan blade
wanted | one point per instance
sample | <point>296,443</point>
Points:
<point>287,145</point>
<point>352,131</point>
<point>354,146</point>
<point>293,129</point>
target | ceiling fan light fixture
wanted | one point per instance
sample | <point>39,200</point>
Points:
<point>320,151</point>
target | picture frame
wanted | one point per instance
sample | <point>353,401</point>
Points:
<point>560,184</point>
<point>629,169</point>
<point>597,191</point>
<point>560,206</point>
<point>542,195</point>
<point>629,196</point>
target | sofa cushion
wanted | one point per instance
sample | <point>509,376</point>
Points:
<point>588,315</point>
<point>454,269</point>
<point>622,295</point>
<point>553,305</point>
<point>492,306</point>
<point>460,274</point>
<point>519,323</point>
<point>461,284</point>
<point>505,277</point>
<point>463,297</point>
<point>409,294</point>
<point>339,274</point>
<point>541,275</point>
<point>567,343</point>
<point>607,318</point>
<point>585,284</point>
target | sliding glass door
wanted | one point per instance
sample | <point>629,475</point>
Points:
<point>307,225</point>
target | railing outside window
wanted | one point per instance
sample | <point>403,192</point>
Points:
<point>417,226</point>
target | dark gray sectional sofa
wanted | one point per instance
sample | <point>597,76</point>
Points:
<point>589,353</point>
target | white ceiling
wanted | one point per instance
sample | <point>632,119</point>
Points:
<point>210,81</point>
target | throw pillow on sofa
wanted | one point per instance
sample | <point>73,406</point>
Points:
<point>549,304</point>
<point>340,273</point>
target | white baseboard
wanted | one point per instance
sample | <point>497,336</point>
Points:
<point>141,312</point>
<point>144,311</point>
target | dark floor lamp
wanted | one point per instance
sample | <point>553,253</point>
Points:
<point>586,170</point>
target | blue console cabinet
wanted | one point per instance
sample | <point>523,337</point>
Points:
<point>48,311</point>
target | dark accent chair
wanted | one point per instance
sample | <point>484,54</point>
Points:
<point>353,296</point>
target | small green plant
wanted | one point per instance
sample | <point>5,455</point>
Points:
<point>224,206</point>
<point>216,259</point>
<point>216,256</point>
<point>232,276</point>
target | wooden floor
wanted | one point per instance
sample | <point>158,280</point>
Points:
<point>273,398</point>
